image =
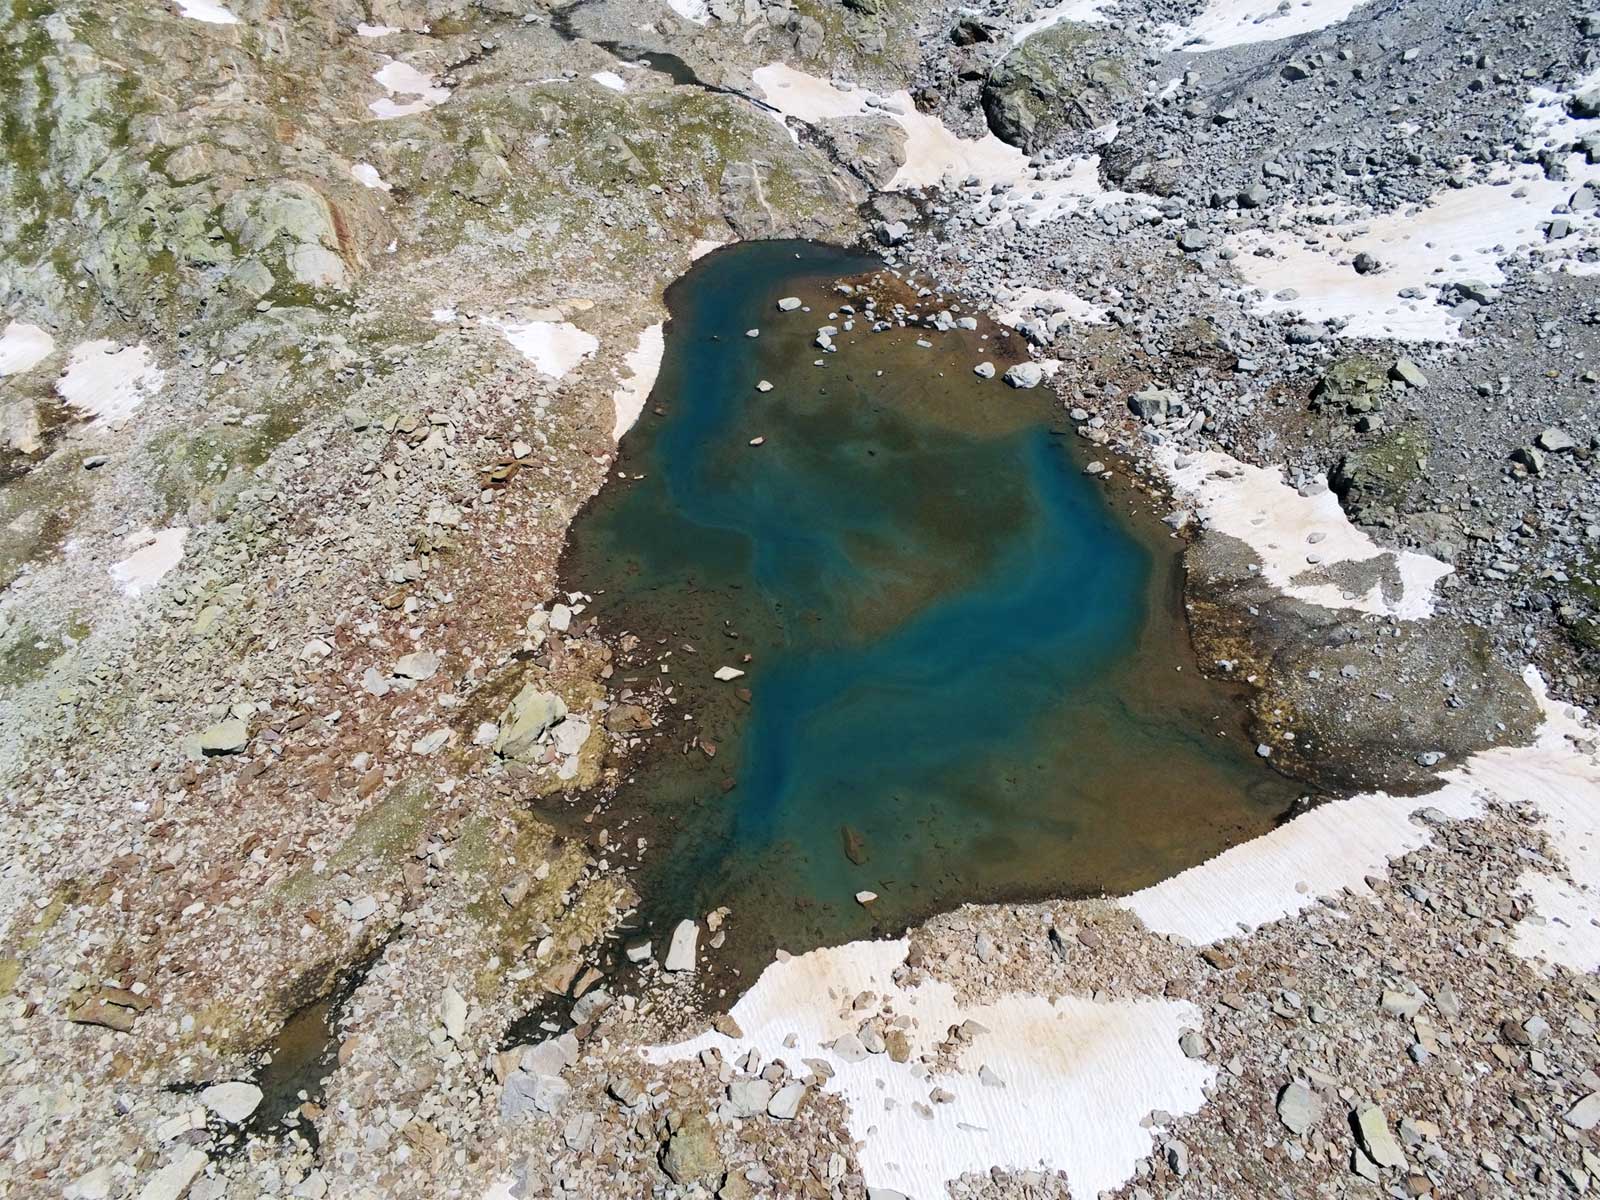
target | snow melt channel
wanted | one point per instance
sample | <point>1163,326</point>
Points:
<point>1066,1087</point>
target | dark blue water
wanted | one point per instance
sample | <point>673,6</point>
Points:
<point>967,676</point>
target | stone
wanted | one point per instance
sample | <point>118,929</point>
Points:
<point>1377,1139</point>
<point>419,665</point>
<point>1402,1004</point>
<point>681,950</point>
<point>453,1014</point>
<point>788,303</point>
<point>691,1156</point>
<point>848,1048</point>
<point>526,1093</point>
<point>225,737</point>
<point>172,1181</point>
<point>526,720</point>
<point>1585,1114</point>
<point>1554,441</point>
<point>727,674</point>
<point>865,897</point>
<point>984,370</point>
<point>749,1097</point>
<point>1298,1107</point>
<point>1193,1045</point>
<point>1408,373</point>
<point>233,1101</point>
<point>785,1102</point>
<point>1025,375</point>
<point>1192,241</point>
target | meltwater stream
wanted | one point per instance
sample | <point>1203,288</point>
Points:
<point>966,676</point>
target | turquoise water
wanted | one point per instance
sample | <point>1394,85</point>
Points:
<point>968,677</point>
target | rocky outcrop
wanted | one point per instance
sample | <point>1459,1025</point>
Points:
<point>1062,79</point>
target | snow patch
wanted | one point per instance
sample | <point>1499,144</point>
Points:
<point>367,175</point>
<point>1079,1076</point>
<point>1335,847</point>
<point>1243,22</point>
<point>610,79</point>
<point>1458,235</point>
<point>402,79</point>
<point>644,364</point>
<point>23,347</point>
<point>553,347</point>
<point>206,10</point>
<point>695,11</point>
<point>154,554</point>
<point>108,382</point>
<point>375,31</point>
<point>1081,12</point>
<point>1053,307</point>
<point>1254,505</point>
<point>703,247</point>
<point>935,156</point>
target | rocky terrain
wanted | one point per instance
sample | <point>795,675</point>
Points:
<point>320,323</point>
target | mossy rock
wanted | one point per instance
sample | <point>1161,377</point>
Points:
<point>1374,481</point>
<point>1063,79</point>
<point>1356,378</point>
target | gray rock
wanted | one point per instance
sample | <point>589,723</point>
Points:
<point>1585,1114</point>
<point>1377,1139</point>
<point>526,720</point>
<point>233,1101</point>
<point>785,1102</point>
<point>225,737</point>
<point>1555,441</point>
<point>692,1156</point>
<point>749,1097</point>
<point>681,950</point>
<point>1298,1107</point>
<point>1025,375</point>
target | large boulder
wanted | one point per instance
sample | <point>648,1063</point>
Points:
<point>1061,79</point>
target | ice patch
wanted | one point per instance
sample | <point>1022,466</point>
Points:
<point>154,554</point>
<point>23,347</point>
<point>1336,846</point>
<point>1243,22</point>
<point>1254,505</point>
<point>206,10</point>
<point>696,11</point>
<point>935,156</point>
<point>367,175</point>
<point>553,347</point>
<point>1078,1076</point>
<point>375,31</point>
<point>644,364</point>
<point>610,79</point>
<point>1081,12</point>
<point>402,79</point>
<point>107,382</point>
<point>1459,235</point>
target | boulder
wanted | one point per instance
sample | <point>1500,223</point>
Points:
<point>1064,78</point>
<point>692,1156</point>
<point>526,720</point>
<point>1025,375</point>
<point>681,950</point>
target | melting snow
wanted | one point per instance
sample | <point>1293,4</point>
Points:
<point>553,347</point>
<point>610,79</point>
<point>691,10</point>
<point>375,31</point>
<point>1242,22</point>
<point>207,11</point>
<point>1254,505</point>
<point>935,155</point>
<point>1082,12</point>
<point>1459,235</point>
<point>1079,1076</point>
<point>1336,846</point>
<point>108,382</point>
<point>154,554</point>
<point>643,364</point>
<point>402,79</point>
<point>367,174</point>
<point>23,347</point>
